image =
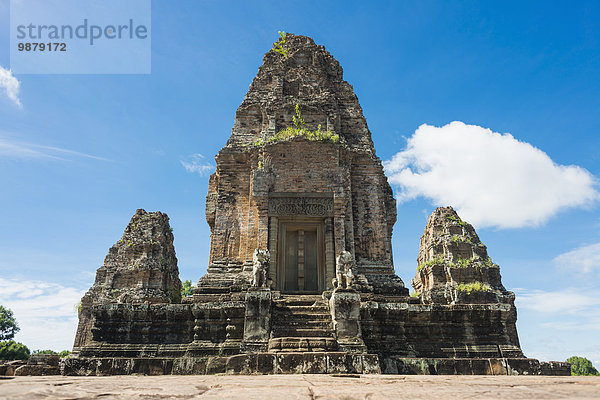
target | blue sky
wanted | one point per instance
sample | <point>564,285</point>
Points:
<point>80,153</point>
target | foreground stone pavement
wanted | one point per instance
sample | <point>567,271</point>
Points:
<point>301,387</point>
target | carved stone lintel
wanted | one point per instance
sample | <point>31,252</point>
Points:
<point>308,206</point>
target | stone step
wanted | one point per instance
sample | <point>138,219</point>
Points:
<point>299,300</point>
<point>216,289</point>
<point>307,344</point>
<point>286,324</point>
<point>302,332</point>
<point>283,316</point>
<point>302,309</point>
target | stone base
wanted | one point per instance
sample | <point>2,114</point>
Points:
<point>37,370</point>
<point>473,366</point>
<point>257,363</point>
<point>37,365</point>
<point>309,363</point>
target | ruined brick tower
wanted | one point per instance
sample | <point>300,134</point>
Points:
<point>300,276</point>
<point>306,199</point>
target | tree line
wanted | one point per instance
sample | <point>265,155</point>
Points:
<point>9,348</point>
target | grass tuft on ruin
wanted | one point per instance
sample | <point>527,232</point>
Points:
<point>299,130</point>
<point>280,45</point>
<point>434,261</point>
<point>457,220</point>
<point>473,287</point>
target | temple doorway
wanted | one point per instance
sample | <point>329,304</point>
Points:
<point>301,257</point>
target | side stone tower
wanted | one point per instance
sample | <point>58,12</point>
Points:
<point>454,268</point>
<point>141,268</point>
<point>453,264</point>
<point>299,176</point>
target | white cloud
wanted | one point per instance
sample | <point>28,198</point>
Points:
<point>14,149</point>
<point>559,348</point>
<point>44,311</point>
<point>11,85</point>
<point>584,259</point>
<point>557,324</point>
<point>574,300</point>
<point>196,164</point>
<point>491,179</point>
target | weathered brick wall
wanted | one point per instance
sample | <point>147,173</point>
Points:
<point>230,201</point>
<point>417,330</point>
<point>296,166</point>
<point>143,323</point>
<point>374,213</point>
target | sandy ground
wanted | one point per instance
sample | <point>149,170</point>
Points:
<point>301,387</point>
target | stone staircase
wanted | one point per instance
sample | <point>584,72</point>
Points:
<point>301,323</point>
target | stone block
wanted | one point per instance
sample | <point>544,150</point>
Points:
<point>241,364</point>
<point>555,368</point>
<point>265,363</point>
<point>150,366</point>
<point>345,312</point>
<point>523,366</point>
<point>25,370</point>
<point>497,366</point>
<point>301,363</point>
<point>216,365</point>
<point>189,366</point>
<point>78,367</point>
<point>257,316</point>
<point>445,367</point>
<point>339,363</point>
<point>414,366</point>
<point>114,366</point>
<point>370,364</point>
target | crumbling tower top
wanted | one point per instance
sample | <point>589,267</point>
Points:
<point>307,75</point>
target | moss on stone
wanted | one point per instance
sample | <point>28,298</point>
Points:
<point>473,287</point>
<point>299,130</point>
<point>434,261</point>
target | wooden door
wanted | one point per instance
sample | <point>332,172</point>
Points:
<point>302,259</point>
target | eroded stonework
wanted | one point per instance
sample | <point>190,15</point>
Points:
<point>305,206</point>
<point>140,268</point>
<point>281,210</point>
<point>453,264</point>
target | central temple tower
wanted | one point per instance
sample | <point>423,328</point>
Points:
<point>305,196</point>
<point>301,278</point>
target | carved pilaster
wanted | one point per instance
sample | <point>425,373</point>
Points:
<point>257,321</point>
<point>273,235</point>
<point>329,254</point>
<point>344,306</point>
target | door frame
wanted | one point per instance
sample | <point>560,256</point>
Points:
<point>304,223</point>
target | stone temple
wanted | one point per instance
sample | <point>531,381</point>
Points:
<point>300,277</point>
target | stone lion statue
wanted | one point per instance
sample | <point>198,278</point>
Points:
<point>260,260</point>
<point>344,265</point>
